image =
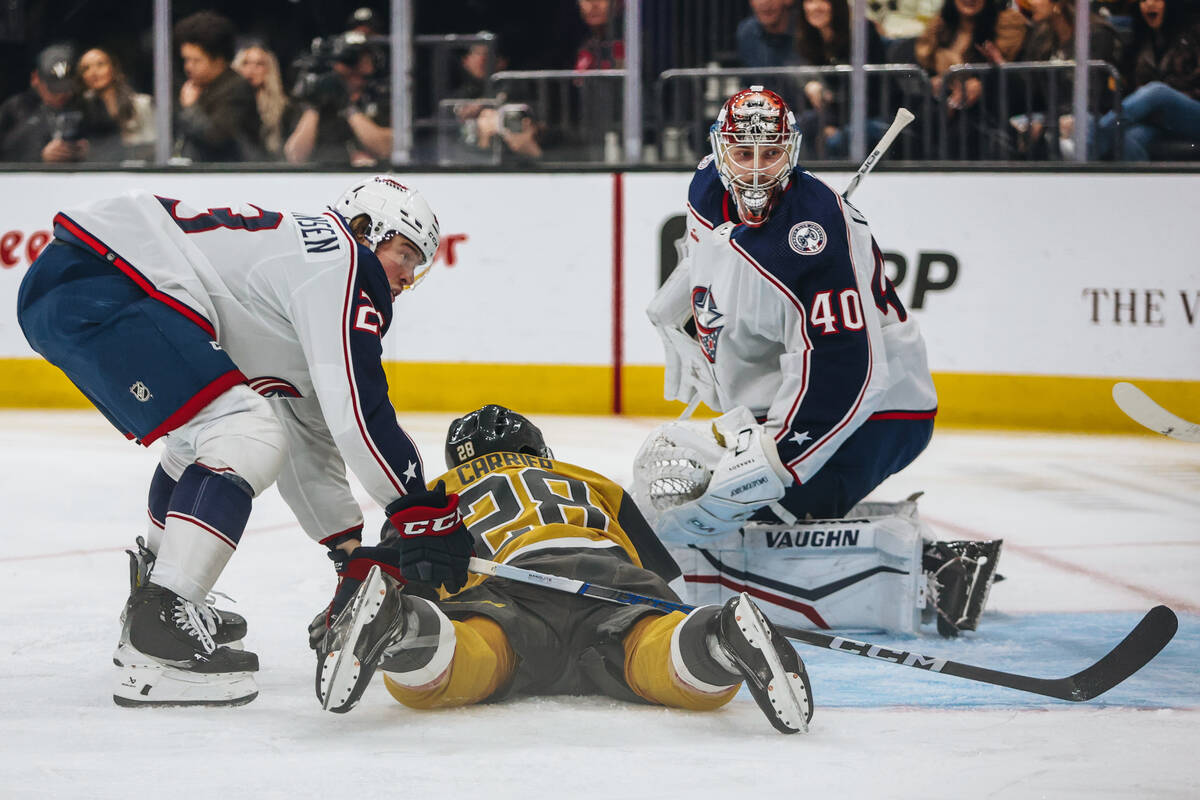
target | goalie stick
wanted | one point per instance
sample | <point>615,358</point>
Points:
<point>1136,650</point>
<point>1144,411</point>
<point>903,117</point>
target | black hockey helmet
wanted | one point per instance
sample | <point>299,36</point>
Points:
<point>492,429</point>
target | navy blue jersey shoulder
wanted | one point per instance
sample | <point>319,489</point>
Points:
<point>374,281</point>
<point>805,232</point>
<point>707,195</point>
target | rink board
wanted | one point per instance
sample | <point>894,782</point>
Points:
<point>1034,293</point>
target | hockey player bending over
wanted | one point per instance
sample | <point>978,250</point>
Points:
<point>249,341</point>
<point>497,638</point>
<point>780,313</point>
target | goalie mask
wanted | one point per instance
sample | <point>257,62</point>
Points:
<point>393,209</point>
<point>492,429</point>
<point>756,146</point>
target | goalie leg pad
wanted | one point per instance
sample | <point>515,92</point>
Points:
<point>863,572</point>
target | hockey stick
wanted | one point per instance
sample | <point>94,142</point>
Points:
<point>903,117</point>
<point>1136,650</point>
<point>1144,411</point>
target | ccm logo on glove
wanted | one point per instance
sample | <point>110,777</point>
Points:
<point>436,526</point>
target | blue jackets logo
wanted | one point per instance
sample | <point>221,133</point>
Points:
<point>807,238</point>
<point>708,321</point>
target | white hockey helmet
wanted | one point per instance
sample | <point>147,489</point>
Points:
<point>394,210</point>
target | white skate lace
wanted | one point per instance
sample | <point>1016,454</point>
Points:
<point>190,620</point>
<point>208,611</point>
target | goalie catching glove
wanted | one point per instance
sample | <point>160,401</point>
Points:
<point>707,479</point>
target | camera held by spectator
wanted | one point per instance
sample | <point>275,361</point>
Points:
<point>68,126</point>
<point>322,74</point>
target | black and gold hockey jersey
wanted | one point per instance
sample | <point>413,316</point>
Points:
<point>515,503</point>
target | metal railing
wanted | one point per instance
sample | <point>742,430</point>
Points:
<point>1016,116</point>
<point>688,100</point>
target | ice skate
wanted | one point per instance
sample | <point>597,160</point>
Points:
<point>225,627</point>
<point>167,657</point>
<point>960,575</point>
<point>772,669</point>
<point>373,621</point>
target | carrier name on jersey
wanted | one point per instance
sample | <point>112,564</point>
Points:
<point>472,471</point>
<point>318,235</point>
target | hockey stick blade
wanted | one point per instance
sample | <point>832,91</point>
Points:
<point>1142,409</point>
<point>1136,650</point>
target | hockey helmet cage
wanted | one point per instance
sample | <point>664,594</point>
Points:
<point>394,210</point>
<point>756,145</point>
<point>492,429</point>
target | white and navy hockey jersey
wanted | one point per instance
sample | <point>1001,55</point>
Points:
<point>301,308</point>
<point>797,320</point>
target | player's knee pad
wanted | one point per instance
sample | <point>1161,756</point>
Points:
<point>249,441</point>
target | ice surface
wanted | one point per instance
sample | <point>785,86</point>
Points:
<point>1097,530</point>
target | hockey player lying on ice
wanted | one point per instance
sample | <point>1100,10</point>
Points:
<point>497,638</point>
<point>780,309</point>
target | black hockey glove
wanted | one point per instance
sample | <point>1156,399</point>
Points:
<point>352,570</point>
<point>435,547</point>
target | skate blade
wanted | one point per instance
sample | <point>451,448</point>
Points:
<point>341,668</point>
<point>786,690</point>
<point>150,685</point>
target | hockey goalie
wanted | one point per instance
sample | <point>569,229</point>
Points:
<point>780,314</point>
<point>705,485</point>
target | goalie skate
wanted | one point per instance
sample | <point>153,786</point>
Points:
<point>373,620</point>
<point>772,668</point>
<point>960,575</point>
<point>166,657</point>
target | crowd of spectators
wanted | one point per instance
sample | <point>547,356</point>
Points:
<point>236,100</point>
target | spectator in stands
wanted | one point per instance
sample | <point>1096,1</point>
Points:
<point>823,39</point>
<point>603,47</point>
<point>1051,37</point>
<point>346,119</point>
<point>474,69</point>
<point>108,92</point>
<point>49,122</point>
<point>493,129</point>
<point>968,32</point>
<point>1163,70</point>
<point>766,38</point>
<point>217,118</point>
<point>279,116</point>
